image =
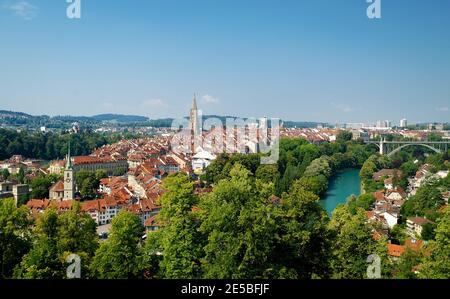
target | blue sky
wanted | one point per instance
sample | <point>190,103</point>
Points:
<point>312,60</point>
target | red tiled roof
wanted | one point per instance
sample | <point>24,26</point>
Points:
<point>413,244</point>
<point>378,195</point>
<point>90,205</point>
<point>151,222</point>
<point>419,220</point>
<point>386,173</point>
<point>35,204</point>
<point>57,187</point>
<point>62,205</point>
<point>370,214</point>
<point>81,160</point>
<point>395,250</point>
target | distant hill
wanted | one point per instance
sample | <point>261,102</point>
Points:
<point>118,118</point>
<point>12,114</point>
<point>12,118</point>
<point>301,124</point>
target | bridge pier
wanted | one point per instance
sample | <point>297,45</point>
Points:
<point>382,147</point>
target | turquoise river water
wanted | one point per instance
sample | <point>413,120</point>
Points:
<point>342,185</point>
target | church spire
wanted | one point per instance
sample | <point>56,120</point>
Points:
<point>68,158</point>
<point>194,102</point>
<point>194,121</point>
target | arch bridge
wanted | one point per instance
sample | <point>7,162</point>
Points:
<point>389,148</point>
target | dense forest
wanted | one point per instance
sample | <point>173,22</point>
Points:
<point>50,146</point>
<point>312,164</point>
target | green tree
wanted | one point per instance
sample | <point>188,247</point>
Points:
<point>426,202</point>
<point>21,176</point>
<point>383,162</point>
<point>40,186</point>
<point>100,174</point>
<point>398,233</point>
<point>267,173</point>
<point>357,152</point>
<point>428,231</point>
<point>407,264</point>
<point>409,168</point>
<point>5,174</point>
<point>316,184</point>
<point>291,174</point>
<point>88,183</point>
<point>302,247</point>
<point>352,243</point>
<point>344,136</point>
<point>23,200</point>
<point>437,264</point>
<point>319,166</point>
<point>364,201</point>
<point>213,172</point>
<point>178,239</point>
<point>120,257</point>
<point>239,223</point>
<point>437,161</point>
<point>434,137</point>
<point>43,260</point>
<point>367,170</point>
<point>15,239</point>
<point>77,235</point>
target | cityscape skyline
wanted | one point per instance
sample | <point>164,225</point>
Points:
<point>147,59</point>
<point>380,123</point>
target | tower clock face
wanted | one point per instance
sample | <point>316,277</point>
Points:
<point>68,180</point>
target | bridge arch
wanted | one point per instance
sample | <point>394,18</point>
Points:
<point>414,144</point>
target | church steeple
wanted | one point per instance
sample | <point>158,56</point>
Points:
<point>69,179</point>
<point>194,123</point>
<point>68,159</point>
<point>194,102</point>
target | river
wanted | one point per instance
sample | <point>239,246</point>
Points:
<point>342,185</point>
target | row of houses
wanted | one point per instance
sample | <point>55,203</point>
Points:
<point>387,207</point>
<point>17,162</point>
<point>388,203</point>
<point>111,165</point>
<point>313,135</point>
<point>423,176</point>
<point>138,194</point>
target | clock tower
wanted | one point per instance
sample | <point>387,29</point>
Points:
<point>69,184</point>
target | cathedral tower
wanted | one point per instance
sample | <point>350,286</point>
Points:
<point>194,122</point>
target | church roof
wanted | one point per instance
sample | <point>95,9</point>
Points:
<point>57,187</point>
